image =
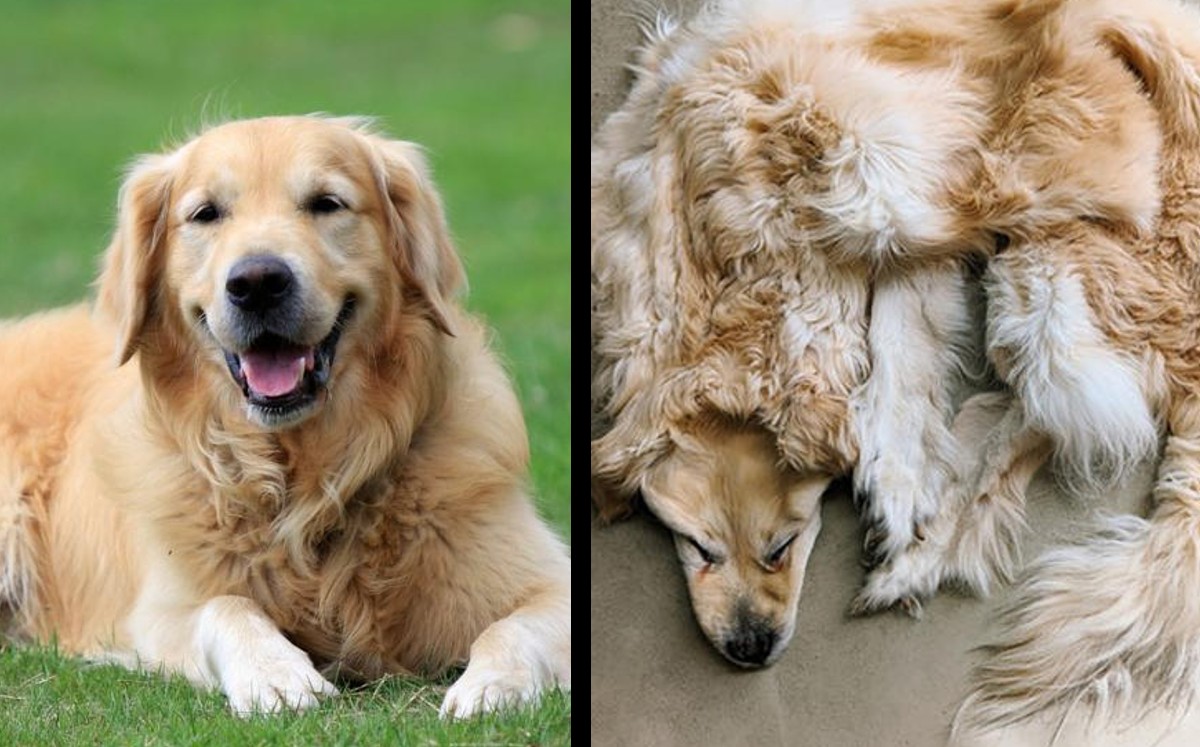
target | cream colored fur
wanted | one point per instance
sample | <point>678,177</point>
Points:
<point>743,199</point>
<point>1092,325</point>
<point>146,518</point>
<point>709,312</point>
<point>765,144</point>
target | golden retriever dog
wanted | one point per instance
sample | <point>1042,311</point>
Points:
<point>729,326</point>
<point>768,143</point>
<point>277,450</point>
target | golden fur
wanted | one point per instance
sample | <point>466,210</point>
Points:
<point>783,172</point>
<point>744,526</point>
<point>1086,169</point>
<point>725,354</point>
<point>151,515</point>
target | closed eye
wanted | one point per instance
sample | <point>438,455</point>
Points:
<point>775,560</point>
<point>323,204</point>
<point>705,555</point>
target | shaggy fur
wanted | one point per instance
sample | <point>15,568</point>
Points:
<point>739,199</point>
<point>773,146</point>
<point>1084,174</point>
<point>1086,170</point>
<point>152,514</point>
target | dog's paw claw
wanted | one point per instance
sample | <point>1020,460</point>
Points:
<point>911,606</point>
<point>865,604</point>
<point>861,606</point>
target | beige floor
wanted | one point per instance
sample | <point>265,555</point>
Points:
<point>887,680</point>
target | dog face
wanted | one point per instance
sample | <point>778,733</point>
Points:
<point>744,527</point>
<point>275,244</point>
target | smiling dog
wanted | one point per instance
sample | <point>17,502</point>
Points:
<point>307,463</point>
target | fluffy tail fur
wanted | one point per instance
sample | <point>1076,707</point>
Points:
<point>1111,624</point>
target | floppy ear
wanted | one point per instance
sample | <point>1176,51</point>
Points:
<point>421,243</point>
<point>621,459</point>
<point>126,286</point>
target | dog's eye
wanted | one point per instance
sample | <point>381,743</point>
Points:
<point>323,204</point>
<point>1001,240</point>
<point>705,555</point>
<point>206,213</point>
<point>775,559</point>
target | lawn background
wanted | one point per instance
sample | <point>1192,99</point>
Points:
<point>84,87</point>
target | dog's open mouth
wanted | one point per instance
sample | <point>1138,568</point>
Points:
<point>281,378</point>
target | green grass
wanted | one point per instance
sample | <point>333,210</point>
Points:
<point>483,85</point>
<point>47,699</point>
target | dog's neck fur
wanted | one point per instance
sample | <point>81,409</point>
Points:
<point>264,522</point>
<point>257,473</point>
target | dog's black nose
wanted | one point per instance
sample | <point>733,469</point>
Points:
<point>751,644</point>
<point>259,283</point>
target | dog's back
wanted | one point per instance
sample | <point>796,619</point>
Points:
<point>51,361</point>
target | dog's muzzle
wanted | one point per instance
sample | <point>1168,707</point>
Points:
<point>279,376</point>
<point>751,642</point>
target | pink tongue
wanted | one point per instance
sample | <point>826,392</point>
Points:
<point>275,373</point>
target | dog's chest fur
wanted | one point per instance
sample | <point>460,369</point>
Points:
<point>327,567</point>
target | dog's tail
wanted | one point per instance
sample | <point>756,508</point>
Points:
<point>1111,624</point>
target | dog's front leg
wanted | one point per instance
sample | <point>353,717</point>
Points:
<point>973,538</point>
<point>230,643</point>
<point>919,336</point>
<point>517,657</point>
<point>257,668</point>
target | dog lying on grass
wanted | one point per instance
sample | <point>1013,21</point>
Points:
<point>277,449</point>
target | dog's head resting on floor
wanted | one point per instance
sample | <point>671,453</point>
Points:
<point>730,291</point>
<point>744,526</point>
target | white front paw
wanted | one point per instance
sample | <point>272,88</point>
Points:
<point>895,505</point>
<point>483,689</point>
<point>902,582</point>
<point>272,680</point>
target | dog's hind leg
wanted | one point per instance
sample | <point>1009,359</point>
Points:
<point>920,342</point>
<point>18,550</point>
<point>1111,623</point>
<point>972,539</point>
<point>983,549</point>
